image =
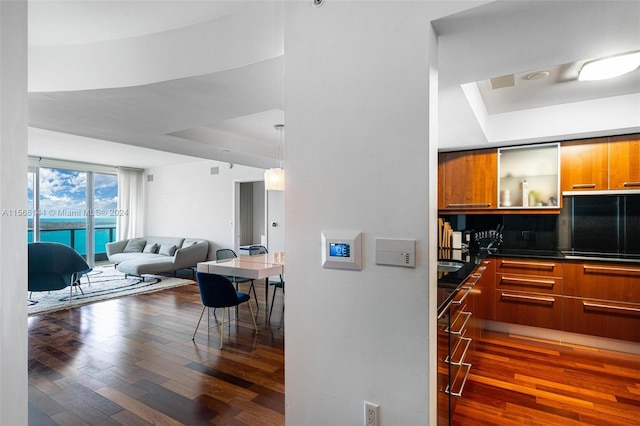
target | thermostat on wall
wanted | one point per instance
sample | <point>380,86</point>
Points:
<point>342,250</point>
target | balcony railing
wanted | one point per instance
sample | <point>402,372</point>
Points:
<point>76,238</point>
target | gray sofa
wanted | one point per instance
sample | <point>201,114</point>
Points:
<point>152,255</point>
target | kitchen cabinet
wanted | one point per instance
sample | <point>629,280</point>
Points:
<point>624,162</point>
<point>455,337</point>
<point>529,176</point>
<point>601,164</point>
<point>585,165</point>
<point>482,299</point>
<point>603,299</point>
<point>529,292</point>
<point>467,180</point>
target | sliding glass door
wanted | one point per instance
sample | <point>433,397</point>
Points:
<point>73,207</point>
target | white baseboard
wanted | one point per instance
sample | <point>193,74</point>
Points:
<point>564,337</point>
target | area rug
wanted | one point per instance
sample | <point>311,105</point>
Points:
<point>103,283</point>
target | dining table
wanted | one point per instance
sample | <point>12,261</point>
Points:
<point>256,267</point>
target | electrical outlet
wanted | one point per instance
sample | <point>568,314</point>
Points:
<point>371,414</point>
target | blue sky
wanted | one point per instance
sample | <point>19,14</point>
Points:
<point>63,193</point>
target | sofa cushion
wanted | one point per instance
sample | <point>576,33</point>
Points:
<point>167,249</point>
<point>146,266</point>
<point>134,246</point>
<point>123,257</point>
<point>150,248</point>
<point>189,243</point>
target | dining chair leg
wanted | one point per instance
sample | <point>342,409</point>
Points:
<point>253,317</point>
<point>255,296</point>
<point>273,297</point>
<point>198,325</point>
<point>222,330</point>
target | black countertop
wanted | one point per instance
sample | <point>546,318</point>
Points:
<point>449,282</point>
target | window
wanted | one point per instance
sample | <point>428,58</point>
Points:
<point>73,207</point>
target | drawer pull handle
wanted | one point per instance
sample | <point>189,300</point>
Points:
<point>463,345</point>
<point>545,300</point>
<point>469,205</point>
<point>458,325</point>
<point>458,301</point>
<point>526,281</point>
<point>449,390</point>
<point>605,269</point>
<point>611,308</point>
<point>583,185</point>
<point>528,264</point>
<point>627,184</point>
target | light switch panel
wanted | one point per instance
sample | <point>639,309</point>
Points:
<point>396,252</point>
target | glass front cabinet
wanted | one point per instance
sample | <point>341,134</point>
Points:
<point>529,177</point>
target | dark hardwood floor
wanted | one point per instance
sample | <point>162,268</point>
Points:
<point>131,361</point>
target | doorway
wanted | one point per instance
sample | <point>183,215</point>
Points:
<point>250,214</point>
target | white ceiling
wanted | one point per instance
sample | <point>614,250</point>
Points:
<point>519,38</point>
<point>228,114</point>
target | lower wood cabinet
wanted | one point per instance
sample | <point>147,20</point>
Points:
<point>615,320</point>
<point>533,309</point>
<point>594,298</point>
<point>529,292</point>
<point>602,299</point>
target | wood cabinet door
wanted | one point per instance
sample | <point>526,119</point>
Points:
<point>615,282</point>
<point>615,320</point>
<point>536,310</point>
<point>470,180</point>
<point>584,165</point>
<point>624,162</point>
<point>441,182</point>
<point>484,309</point>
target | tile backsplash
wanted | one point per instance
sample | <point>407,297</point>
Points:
<point>589,223</point>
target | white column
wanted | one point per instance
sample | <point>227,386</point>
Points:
<point>13,201</point>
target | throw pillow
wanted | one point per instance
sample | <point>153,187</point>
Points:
<point>167,249</point>
<point>134,246</point>
<point>150,248</point>
<point>189,243</point>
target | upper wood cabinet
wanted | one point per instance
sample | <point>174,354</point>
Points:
<point>584,165</point>
<point>601,164</point>
<point>624,162</point>
<point>468,180</point>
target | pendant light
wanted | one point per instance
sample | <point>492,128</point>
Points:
<point>274,177</point>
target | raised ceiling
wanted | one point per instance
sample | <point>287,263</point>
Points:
<point>205,78</point>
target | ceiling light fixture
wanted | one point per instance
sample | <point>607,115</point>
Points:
<point>609,67</point>
<point>538,75</point>
<point>274,177</point>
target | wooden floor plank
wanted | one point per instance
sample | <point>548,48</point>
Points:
<point>131,361</point>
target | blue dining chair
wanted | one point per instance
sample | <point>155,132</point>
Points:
<point>216,291</point>
<point>230,254</point>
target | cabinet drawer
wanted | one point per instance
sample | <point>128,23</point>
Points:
<point>605,319</point>
<point>537,310</point>
<point>529,283</point>
<point>544,268</point>
<point>604,281</point>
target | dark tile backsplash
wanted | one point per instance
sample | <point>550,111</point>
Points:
<point>588,223</point>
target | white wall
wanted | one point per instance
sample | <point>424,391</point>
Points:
<point>358,155</point>
<point>13,184</point>
<point>275,214</point>
<point>186,200</point>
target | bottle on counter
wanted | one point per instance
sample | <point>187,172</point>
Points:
<point>524,191</point>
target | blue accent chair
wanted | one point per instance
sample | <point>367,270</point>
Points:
<point>216,291</point>
<point>54,266</point>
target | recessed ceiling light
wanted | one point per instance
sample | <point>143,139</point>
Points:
<point>609,67</point>
<point>538,75</point>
